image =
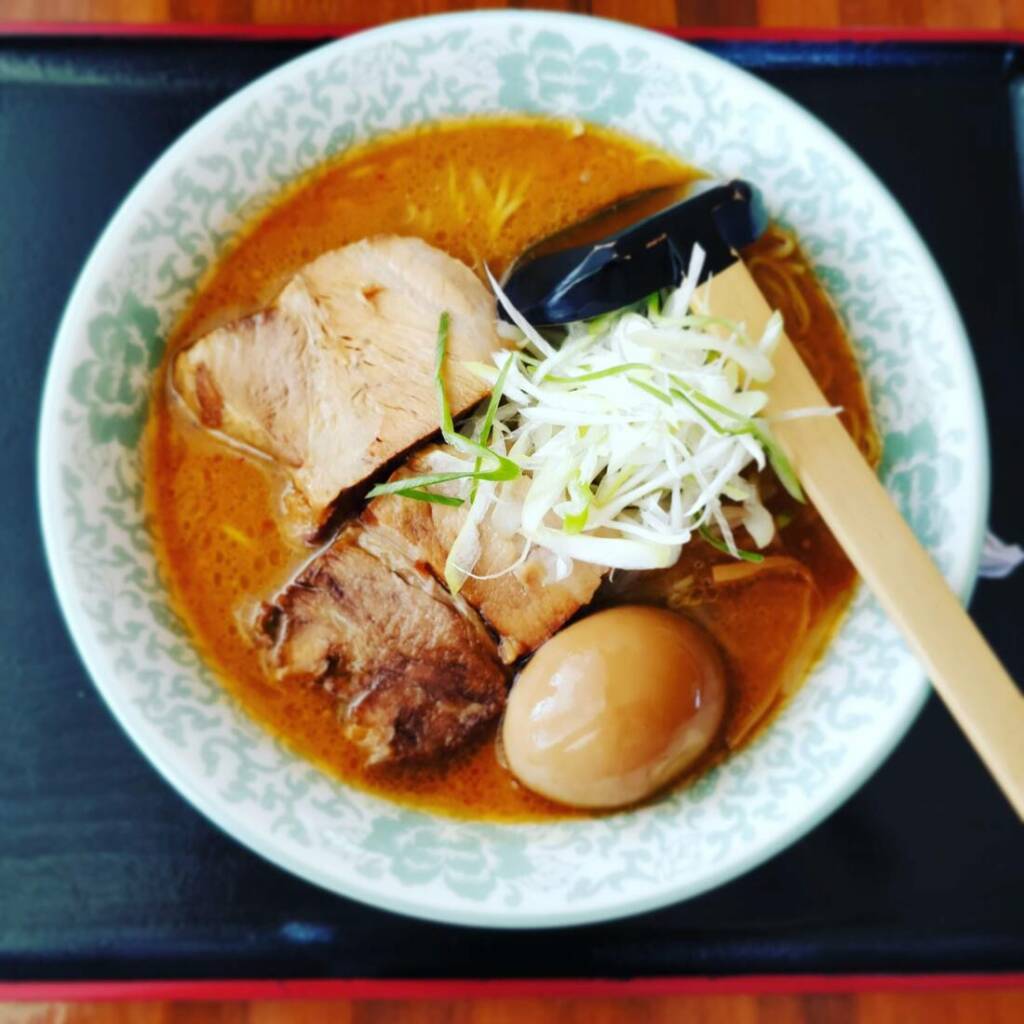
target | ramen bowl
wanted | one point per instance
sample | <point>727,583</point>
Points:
<point>838,728</point>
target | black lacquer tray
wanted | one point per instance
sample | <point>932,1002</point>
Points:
<point>105,873</point>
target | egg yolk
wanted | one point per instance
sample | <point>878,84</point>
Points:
<point>614,707</point>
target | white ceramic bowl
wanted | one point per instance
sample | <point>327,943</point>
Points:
<point>853,709</point>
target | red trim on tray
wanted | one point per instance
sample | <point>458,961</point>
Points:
<point>228,30</point>
<point>376,988</point>
<point>175,29</point>
<point>845,34</point>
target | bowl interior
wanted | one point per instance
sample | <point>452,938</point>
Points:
<point>842,723</point>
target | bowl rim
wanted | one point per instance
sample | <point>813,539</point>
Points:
<point>232,823</point>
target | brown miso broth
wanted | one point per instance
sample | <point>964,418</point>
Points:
<point>483,190</point>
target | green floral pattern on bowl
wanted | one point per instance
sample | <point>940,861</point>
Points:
<point>840,726</point>
<point>113,384</point>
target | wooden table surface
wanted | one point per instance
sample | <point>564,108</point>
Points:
<point>992,1006</point>
<point>957,14</point>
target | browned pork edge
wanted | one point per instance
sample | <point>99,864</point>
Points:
<point>414,672</point>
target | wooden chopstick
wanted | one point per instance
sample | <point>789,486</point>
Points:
<point>864,520</point>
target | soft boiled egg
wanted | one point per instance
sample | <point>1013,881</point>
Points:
<point>612,708</point>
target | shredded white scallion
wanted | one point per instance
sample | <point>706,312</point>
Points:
<point>630,436</point>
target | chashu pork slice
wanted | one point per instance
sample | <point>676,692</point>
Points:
<point>414,671</point>
<point>336,378</point>
<point>522,606</point>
